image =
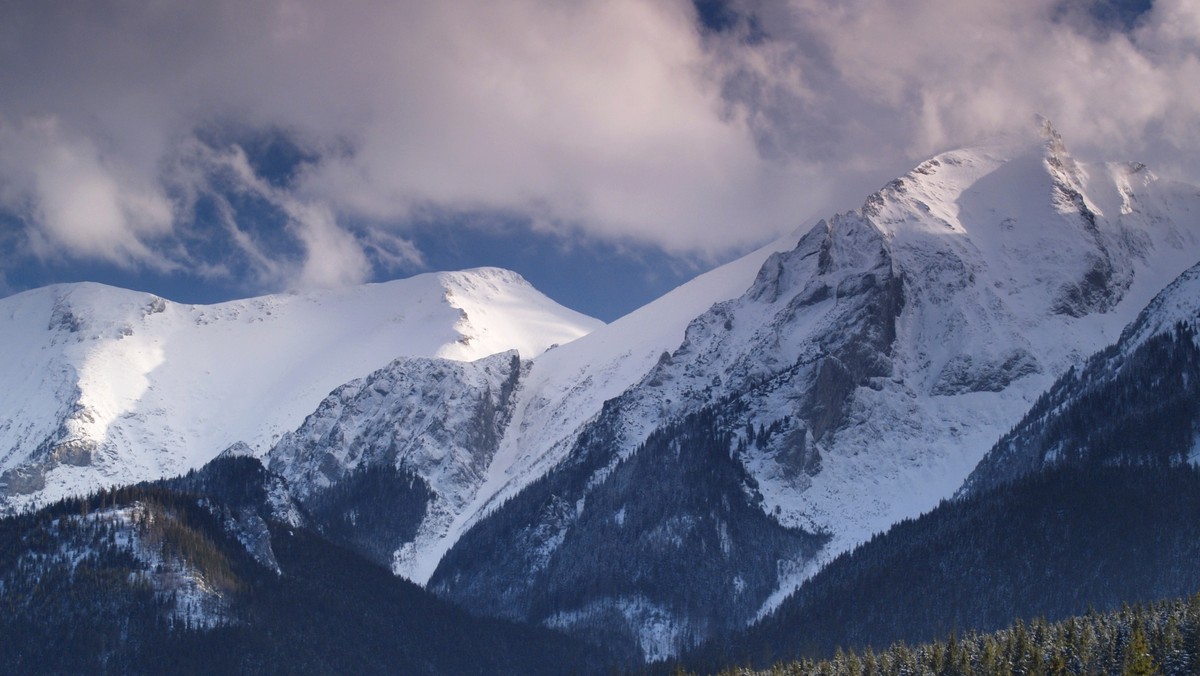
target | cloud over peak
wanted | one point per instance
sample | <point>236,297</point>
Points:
<point>625,120</point>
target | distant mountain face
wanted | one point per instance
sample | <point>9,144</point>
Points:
<point>105,386</point>
<point>858,379</point>
<point>416,437</point>
<point>1091,500</point>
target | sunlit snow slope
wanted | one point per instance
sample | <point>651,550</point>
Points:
<point>104,386</point>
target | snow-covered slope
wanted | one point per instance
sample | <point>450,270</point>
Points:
<point>567,387</point>
<point>1136,402</point>
<point>104,386</point>
<point>1016,263</point>
<point>863,373</point>
<point>432,421</point>
<point>477,433</point>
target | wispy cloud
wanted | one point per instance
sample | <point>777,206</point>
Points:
<point>331,254</point>
<point>78,201</point>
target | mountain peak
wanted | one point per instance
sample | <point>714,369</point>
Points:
<point>1060,164</point>
<point>487,273</point>
<point>500,310</point>
<point>108,386</point>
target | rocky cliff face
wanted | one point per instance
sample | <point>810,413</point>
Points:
<point>432,427</point>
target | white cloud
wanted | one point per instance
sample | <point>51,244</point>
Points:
<point>601,115</point>
<point>332,255</point>
<point>619,119</point>
<point>910,79</point>
<point>78,201</point>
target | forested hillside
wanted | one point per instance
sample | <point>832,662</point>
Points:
<point>1160,638</point>
<point>1136,404</point>
<point>177,578</point>
<point>1051,545</point>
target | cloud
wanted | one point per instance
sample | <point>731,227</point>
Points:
<point>625,120</point>
<point>330,255</point>
<point>597,115</point>
<point>76,200</point>
<point>333,256</point>
<point>878,79</point>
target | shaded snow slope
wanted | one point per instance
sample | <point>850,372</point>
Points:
<point>434,421</point>
<point>1178,303</point>
<point>105,386</point>
<point>1136,402</point>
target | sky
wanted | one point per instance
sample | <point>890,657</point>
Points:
<point>607,150</point>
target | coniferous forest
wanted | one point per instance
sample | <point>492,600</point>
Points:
<point>1050,546</point>
<point>1158,638</point>
<point>101,585</point>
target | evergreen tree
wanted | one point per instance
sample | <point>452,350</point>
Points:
<point>1138,661</point>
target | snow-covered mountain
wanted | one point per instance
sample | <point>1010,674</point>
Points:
<point>1134,403</point>
<point>1090,501</point>
<point>104,386</point>
<point>475,434</point>
<point>721,444</point>
<point>862,373</point>
<point>431,425</point>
